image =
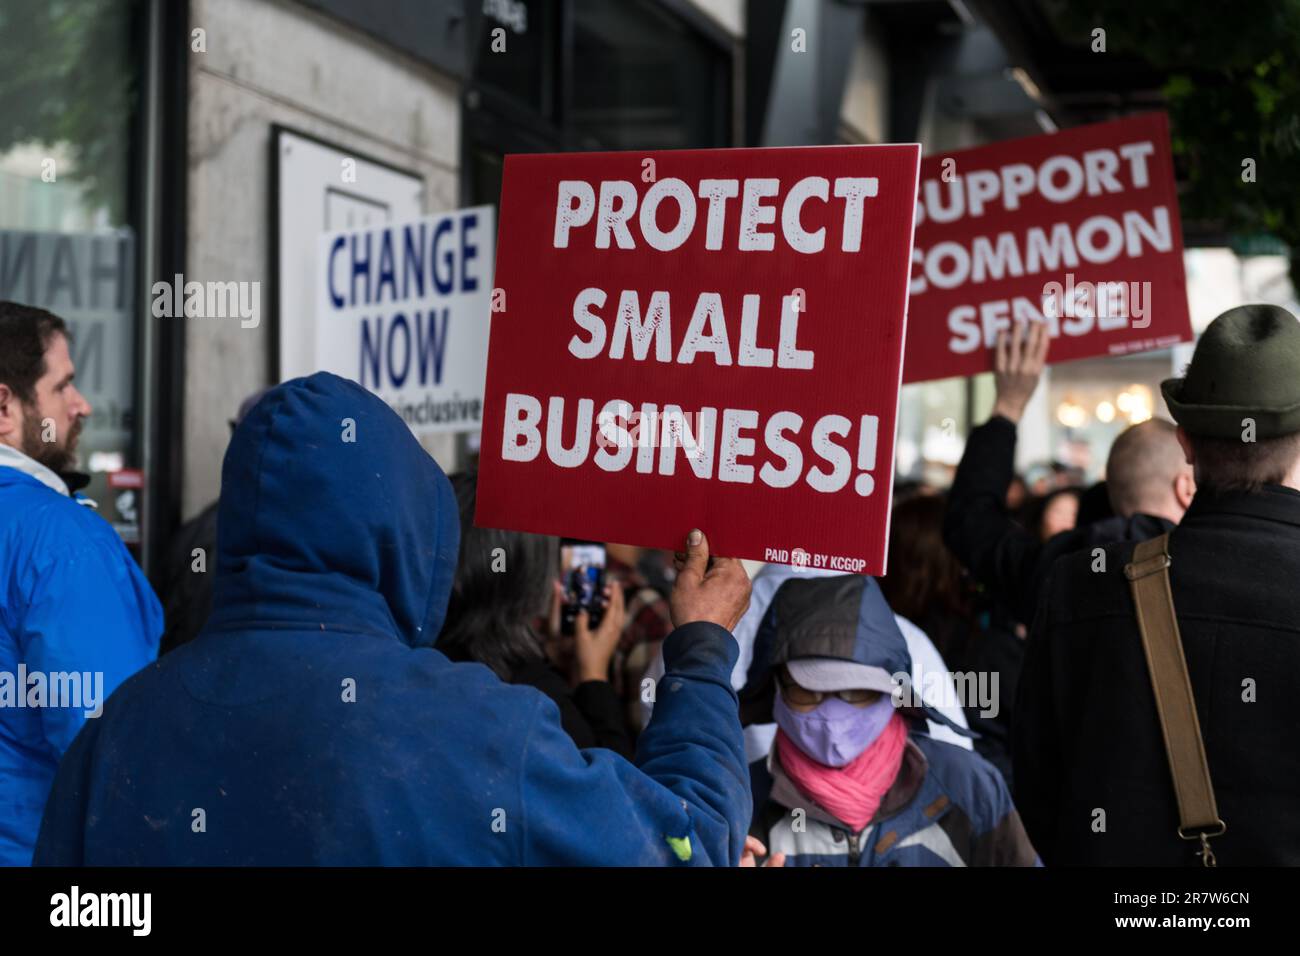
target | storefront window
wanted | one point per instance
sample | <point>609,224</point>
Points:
<point>1092,401</point>
<point>931,431</point>
<point>68,92</point>
<point>643,79</point>
<point>588,75</point>
<point>515,51</point>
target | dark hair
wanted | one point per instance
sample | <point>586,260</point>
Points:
<point>925,582</point>
<point>1226,464</point>
<point>906,489</point>
<point>1094,505</point>
<point>1042,504</point>
<point>503,583</point>
<point>25,334</point>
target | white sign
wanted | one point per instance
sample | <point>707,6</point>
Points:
<point>403,309</point>
<point>322,188</point>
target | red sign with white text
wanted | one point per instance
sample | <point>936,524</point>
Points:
<point>1078,228</point>
<point>703,338</point>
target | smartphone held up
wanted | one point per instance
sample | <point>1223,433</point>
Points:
<point>582,574</point>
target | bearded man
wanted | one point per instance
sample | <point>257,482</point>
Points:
<point>77,616</point>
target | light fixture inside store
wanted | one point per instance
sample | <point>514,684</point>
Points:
<point>1026,83</point>
<point>1071,414</point>
<point>1139,404</point>
<point>963,13</point>
<point>1105,413</point>
<point>1140,412</point>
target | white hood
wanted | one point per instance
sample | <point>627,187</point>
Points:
<point>13,458</point>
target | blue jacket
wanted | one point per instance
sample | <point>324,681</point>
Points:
<point>72,602</point>
<point>313,722</point>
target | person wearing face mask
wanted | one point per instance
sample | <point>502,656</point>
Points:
<point>853,777</point>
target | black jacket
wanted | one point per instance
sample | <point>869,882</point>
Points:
<point>1007,559</point>
<point>1086,736</point>
<point>187,594</point>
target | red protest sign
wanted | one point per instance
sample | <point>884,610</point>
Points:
<point>1078,228</point>
<point>704,338</point>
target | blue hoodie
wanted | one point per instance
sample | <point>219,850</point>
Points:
<point>72,602</point>
<point>313,722</point>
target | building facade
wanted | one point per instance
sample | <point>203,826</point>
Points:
<point>149,144</point>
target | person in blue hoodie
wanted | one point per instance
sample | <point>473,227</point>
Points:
<point>77,616</point>
<point>314,722</point>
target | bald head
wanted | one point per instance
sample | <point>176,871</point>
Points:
<point>1147,472</point>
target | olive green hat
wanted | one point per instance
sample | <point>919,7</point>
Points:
<point>1246,365</point>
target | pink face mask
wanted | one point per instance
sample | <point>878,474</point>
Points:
<point>835,732</point>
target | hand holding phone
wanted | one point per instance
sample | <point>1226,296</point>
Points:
<point>582,574</point>
<point>593,648</point>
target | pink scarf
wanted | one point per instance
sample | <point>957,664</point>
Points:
<point>851,793</point>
